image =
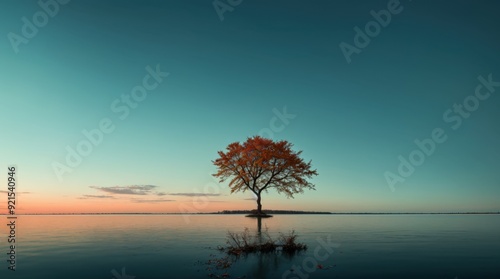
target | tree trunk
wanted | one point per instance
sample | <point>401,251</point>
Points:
<point>259,205</point>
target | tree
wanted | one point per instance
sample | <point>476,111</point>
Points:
<point>260,164</point>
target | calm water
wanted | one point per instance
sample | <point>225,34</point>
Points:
<point>354,246</point>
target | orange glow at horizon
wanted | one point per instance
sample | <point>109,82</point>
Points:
<point>34,204</point>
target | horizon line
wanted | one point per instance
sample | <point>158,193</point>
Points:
<point>238,212</point>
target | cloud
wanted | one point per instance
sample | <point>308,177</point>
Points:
<point>250,199</point>
<point>151,201</point>
<point>160,194</point>
<point>195,194</point>
<point>2,191</point>
<point>127,190</point>
<point>96,197</point>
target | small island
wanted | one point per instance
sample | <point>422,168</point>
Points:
<point>284,212</point>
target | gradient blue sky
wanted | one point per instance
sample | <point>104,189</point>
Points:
<point>352,120</point>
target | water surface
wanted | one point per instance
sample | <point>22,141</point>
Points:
<point>174,246</point>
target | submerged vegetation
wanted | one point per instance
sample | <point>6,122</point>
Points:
<point>245,242</point>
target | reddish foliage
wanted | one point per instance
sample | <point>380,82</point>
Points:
<point>260,164</point>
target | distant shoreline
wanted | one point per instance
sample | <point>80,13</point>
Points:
<point>275,212</point>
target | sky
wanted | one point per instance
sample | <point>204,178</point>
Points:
<point>121,106</point>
